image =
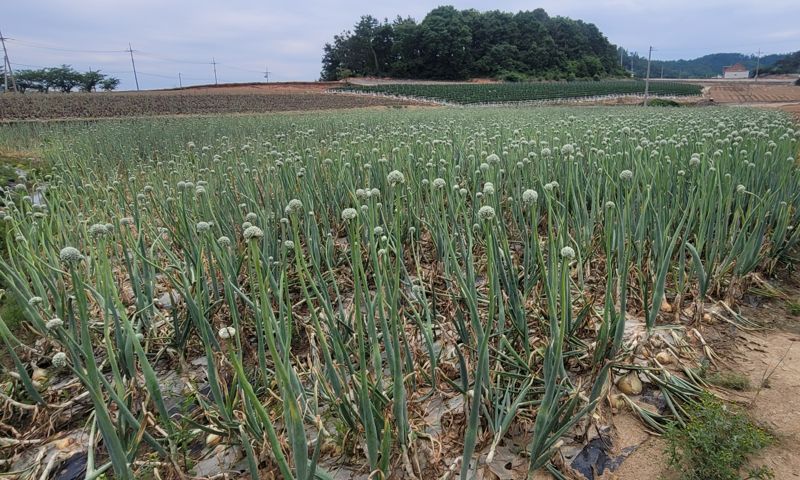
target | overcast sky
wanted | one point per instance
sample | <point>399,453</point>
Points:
<point>243,36</point>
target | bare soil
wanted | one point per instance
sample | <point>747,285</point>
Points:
<point>214,99</point>
<point>773,93</point>
<point>749,93</point>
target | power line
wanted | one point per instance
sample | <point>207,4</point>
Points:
<point>239,68</point>
<point>148,58</point>
<point>59,49</point>
<point>26,65</point>
<point>159,75</point>
<point>171,60</point>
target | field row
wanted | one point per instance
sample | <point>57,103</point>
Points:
<point>99,105</point>
<point>472,93</point>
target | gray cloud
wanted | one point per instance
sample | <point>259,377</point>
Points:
<point>243,36</point>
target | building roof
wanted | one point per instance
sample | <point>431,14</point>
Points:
<point>735,68</point>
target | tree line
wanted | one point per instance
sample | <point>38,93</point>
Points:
<point>786,65</point>
<point>458,44</point>
<point>63,79</point>
<point>707,66</point>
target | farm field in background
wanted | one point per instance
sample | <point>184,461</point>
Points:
<point>404,292</point>
<point>473,93</point>
<point>312,96</point>
<point>754,93</point>
<point>206,100</point>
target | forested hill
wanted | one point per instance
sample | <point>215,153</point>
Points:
<point>458,44</point>
<point>788,64</point>
<point>707,66</point>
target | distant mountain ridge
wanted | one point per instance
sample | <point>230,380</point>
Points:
<point>707,66</point>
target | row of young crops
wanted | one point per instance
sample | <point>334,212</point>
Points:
<point>472,93</point>
<point>331,280</point>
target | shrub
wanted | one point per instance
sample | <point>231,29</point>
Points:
<point>715,443</point>
<point>514,77</point>
<point>661,102</point>
<point>109,84</point>
<point>730,380</point>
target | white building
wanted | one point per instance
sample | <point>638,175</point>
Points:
<point>735,72</point>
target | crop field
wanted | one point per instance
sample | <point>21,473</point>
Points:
<point>433,293</point>
<point>473,93</point>
<point>750,93</point>
<point>245,99</point>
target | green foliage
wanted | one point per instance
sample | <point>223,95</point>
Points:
<point>513,77</point>
<point>453,44</point>
<point>794,307</point>
<point>31,80</point>
<point>63,79</point>
<point>788,64</point>
<point>109,83</point>
<point>729,380</point>
<point>663,102</point>
<point>715,443</point>
<point>90,80</point>
<point>527,92</point>
<point>10,310</point>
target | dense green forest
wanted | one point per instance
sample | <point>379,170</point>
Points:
<point>707,66</point>
<point>458,44</point>
<point>788,64</point>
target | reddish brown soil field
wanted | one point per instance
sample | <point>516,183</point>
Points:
<point>247,98</point>
<point>747,93</point>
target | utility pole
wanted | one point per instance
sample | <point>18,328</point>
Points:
<point>133,64</point>
<point>180,81</point>
<point>647,80</point>
<point>214,62</point>
<point>758,63</point>
<point>620,59</point>
<point>266,73</point>
<point>632,72</point>
<point>662,71</point>
<point>7,70</point>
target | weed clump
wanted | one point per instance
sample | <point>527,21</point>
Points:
<point>730,380</point>
<point>715,443</point>
<point>663,102</point>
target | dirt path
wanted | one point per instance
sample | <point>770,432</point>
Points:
<point>771,361</point>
